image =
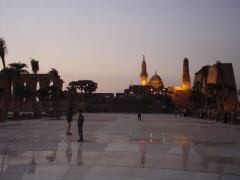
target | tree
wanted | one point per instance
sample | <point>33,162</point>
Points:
<point>86,86</point>
<point>166,100</point>
<point>55,93</point>
<point>213,90</point>
<point>19,69</point>
<point>55,73</point>
<point>41,93</point>
<point>3,52</point>
<point>35,69</point>
<point>147,100</point>
<point>73,87</point>
<point>89,87</point>
<point>1,91</point>
<point>24,92</point>
<point>9,72</point>
<point>196,94</point>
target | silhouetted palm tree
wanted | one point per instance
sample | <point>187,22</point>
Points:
<point>24,92</point>
<point>55,73</point>
<point>35,69</point>
<point>42,93</point>
<point>1,92</point>
<point>3,52</point>
<point>19,69</point>
<point>9,72</point>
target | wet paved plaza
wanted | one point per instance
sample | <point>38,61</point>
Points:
<point>118,146</point>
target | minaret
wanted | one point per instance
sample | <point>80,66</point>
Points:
<point>143,74</point>
<point>186,82</point>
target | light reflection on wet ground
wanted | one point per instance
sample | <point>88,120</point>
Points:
<point>117,146</point>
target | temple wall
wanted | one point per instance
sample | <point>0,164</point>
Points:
<point>28,80</point>
<point>180,99</point>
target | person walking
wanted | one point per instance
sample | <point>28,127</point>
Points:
<point>139,115</point>
<point>80,125</point>
<point>184,112</point>
<point>69,120</point>
<point>175,112</point>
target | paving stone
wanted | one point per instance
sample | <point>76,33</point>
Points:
<point>117,146</point>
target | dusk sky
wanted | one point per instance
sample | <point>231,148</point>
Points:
<point>105,40</point>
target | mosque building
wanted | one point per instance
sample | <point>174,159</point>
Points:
<point>155,86</point>
<point>134,98</point>
<point>155,81</point>
<point>146,88</point>
<point>137,97</point>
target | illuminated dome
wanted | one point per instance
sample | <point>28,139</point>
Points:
<point>156,81</point>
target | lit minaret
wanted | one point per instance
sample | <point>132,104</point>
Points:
<point>143,74</point>
<point>186,82</point>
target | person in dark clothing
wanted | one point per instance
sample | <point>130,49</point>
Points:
<point>80,125</point>
<point>139,115</point>
<point>225,119</point>
<point>203,114</point>
<point>69,120</point>
<point>188,112</point>
<point>229,117</point>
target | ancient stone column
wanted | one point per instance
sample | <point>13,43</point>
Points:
<point>30,82</point>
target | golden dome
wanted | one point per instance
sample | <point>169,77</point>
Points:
<point>156,81</point>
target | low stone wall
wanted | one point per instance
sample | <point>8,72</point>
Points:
<point>218,116</point>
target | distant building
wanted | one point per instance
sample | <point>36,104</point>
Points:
<point>134,98</point>
<point>213,76</point>
<point>43,81</point>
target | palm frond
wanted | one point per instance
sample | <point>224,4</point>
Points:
<point>35,66</point>
<point>53,71</point>
<point>3,51</point>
